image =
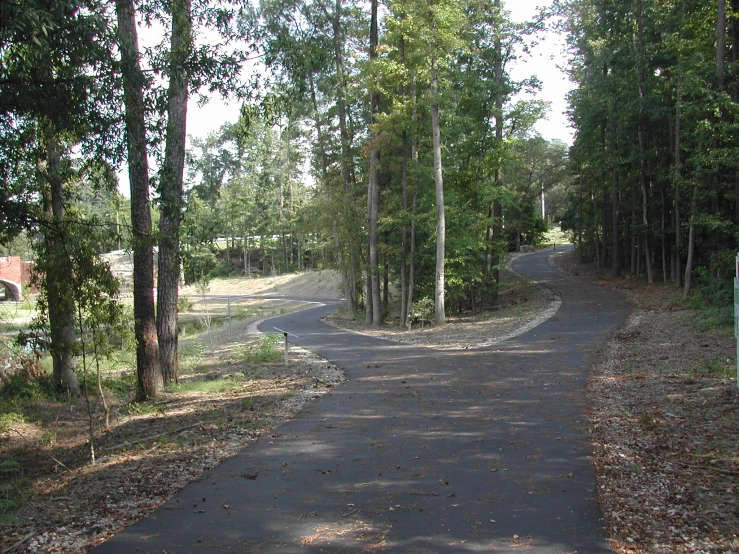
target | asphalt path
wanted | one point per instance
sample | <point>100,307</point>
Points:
<point>420,451</point>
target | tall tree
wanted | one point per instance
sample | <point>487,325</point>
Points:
<point>149,378</point>
<point>171,188</point>
<point>373,188</point>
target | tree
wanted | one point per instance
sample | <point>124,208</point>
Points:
<point>56,96</point>
<point>374,315</point>
<point>171,188</point>
<point>149,378</point>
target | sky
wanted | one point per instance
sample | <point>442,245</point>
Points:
<point>545,62</point>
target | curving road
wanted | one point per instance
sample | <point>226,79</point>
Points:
<point>420,451</point>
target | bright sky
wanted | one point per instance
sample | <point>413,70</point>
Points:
<point>544,62</point>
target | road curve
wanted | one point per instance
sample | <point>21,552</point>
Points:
<point>420,451</point>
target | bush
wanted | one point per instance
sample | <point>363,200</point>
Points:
<point>713,292</point>
<point>423,310</point>
<point>22,375</point>
<point>267,350</point>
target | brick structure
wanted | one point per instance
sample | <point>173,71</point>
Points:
<point>15,273</point>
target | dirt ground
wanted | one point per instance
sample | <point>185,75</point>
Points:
<point>521,306</point>
<point>663,422</point>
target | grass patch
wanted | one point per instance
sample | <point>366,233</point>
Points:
<point>554,236</point>
<point>13,490</point>
<point>267,349</point>
<point>213,386</point>
<point>7,420</point>
<point>716,368</point>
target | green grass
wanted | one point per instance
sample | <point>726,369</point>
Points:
<point>267,349</point>
<point>554,236</point>
<point>10,418</point>
<point>718,368</point>
<point>207,387</point>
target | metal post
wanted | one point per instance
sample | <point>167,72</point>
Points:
<point>285,333</point>
<point>230,332</point>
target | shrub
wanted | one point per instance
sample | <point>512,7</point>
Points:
<point>267,350</point>
<point>22,375</point>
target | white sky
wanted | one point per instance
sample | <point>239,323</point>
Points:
<point>543,62</point>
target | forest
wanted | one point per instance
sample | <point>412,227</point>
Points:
<point>386,140</point>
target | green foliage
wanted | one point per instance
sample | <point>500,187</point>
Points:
<point>713,294</point>
<point>22,376</point>
<point>267,349</point>
<point>184,304</point>
<point>718,368</point>
<point>8,419</point>
<point>10,489</point>
<point>423,310</point>
<point>122,384</point>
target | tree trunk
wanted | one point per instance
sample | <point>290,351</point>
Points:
<point>678,155</point>
<point>61,303</point>
<point>346,163</point>
<point>170,190</point>
<point>149,378</point>
<point>691,243</point>
<point>373,188</point>
<point>439,314</point>
<point>404,235</point>
<point>497,208</point>
<point>615,195</point>
<point>338,248</point>
<point>664,241</point>
<point>416,187</point>
<point>642,142</point>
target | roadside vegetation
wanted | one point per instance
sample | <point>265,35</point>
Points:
<point>232,388</point>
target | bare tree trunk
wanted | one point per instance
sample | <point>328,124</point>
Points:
<point>497,208</point>
<point>373,192</point>
<point>691,243</point>
<point>640,53</point>
<point>615,196</point>
<point>664,241</point>
<point>149,378</point>
<point>404,235</point>
<point>282,200</point>
<point>439,313</point>
<point>171,189</point>
<point>414,205</point>
<point>404,227</point>
<point>346,163</point>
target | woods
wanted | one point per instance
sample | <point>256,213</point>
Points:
<point>655,112</point>
<point>387,140</point>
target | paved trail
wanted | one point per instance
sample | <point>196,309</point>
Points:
<point>421,451</point>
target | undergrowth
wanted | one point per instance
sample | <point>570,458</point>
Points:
<point>267,349</point>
